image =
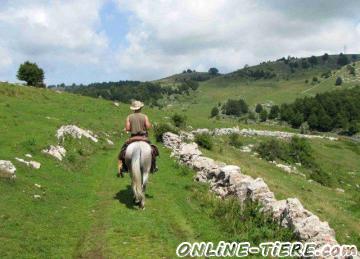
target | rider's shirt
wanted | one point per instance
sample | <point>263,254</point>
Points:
<point>137,124</point>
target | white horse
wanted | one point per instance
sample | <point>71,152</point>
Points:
<point>138,161</point>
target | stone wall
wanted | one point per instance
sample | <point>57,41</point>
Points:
<point>227,180</point>
<point>252,132</point>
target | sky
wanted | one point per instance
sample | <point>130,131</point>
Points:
<point>86,41</point>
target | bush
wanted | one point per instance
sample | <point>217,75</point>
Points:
<point>235,107</point>
<point>338,81</point>
<point>179,120</point>
<point>160,129</point>
<point>271,150</point>
<point>258,108</point>
<point>300,151</point>
<point>214,112</point>
<point>274,112</point>
<point>234,140</point>
<point>304,128</point>
<point>263,115</point>
<point>204,140</point>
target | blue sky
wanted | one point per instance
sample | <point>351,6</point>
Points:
<point>87,41</point>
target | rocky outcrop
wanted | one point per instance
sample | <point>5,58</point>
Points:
<point>75,132</point>
<point>58,152</point>
<point>227,180</point>
<point>32,164</point>
<point>7,169</point>
<point>252,132</point>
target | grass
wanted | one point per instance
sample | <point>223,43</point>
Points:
<point>84,210</point>
<point>197,107</point>
<point>339,159</point>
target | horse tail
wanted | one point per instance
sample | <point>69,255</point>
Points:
<point>136,175</point>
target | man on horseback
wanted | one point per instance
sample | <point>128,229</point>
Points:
<point>138,125</point>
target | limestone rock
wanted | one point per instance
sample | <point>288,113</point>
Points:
<point>7,169</point>
<point>75,132</point>
<point>58,152</point>
<point>32,164</point>
<point>109,142</point>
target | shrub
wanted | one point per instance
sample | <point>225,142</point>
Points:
<point>300,152</point>
<point>342,60</point>
<point>234,140</point>
<point>160,129</point>
<point>204,140</point>
<point>274,112</point>
<point>263,115</point>
<point>235,107</point>
<point>338,81</point>
<point>258,108</point>
<point>214,112</point>
<point>179,120</point>
<point>304,128</point>
<point>271,150</point>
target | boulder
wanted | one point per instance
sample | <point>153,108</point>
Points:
<point>228,170</point>
<point>204,163</point>
<point>7,169</point>
<point>58,152</point>
<point>75,132</point>
<point>171,140</point>
<point>187,152</point>
<point>259,191</point>
<point>32,164</point>
<point>201,177</point>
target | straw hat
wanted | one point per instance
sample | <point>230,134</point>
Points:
<point>136,105</point>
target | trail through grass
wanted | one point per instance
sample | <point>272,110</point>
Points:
<point>84,210</point>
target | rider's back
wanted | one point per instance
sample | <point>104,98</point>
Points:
<point>137,124</point>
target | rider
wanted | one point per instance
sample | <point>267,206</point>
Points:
<point>138,125</point>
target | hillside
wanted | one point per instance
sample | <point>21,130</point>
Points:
<point>190,75</point>
<point>284,88</point>
<point>78,208</point>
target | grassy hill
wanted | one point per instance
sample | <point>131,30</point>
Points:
<point>84,210</point>
<point>283,88</point>
<point>177,78</point>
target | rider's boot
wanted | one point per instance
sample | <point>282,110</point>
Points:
<point>120,169</point>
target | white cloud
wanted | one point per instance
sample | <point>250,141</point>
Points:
<point>67,38</point>
<point>168,36</point>
<point>5,60</point>
<point>54,32</point>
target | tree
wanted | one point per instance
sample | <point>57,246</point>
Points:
<point>213,71</point>
<point>214,112</point>
<point>258,108</point>
<point>342,60</point>
<point>313,60</point>
<point>274,112</point>
<point>313,121</point>
<point>338,81</point>
<point>263,115</point>
<point>31,74</point>
<point>235,107</point>
<point>325,57</point>
<point>296,120</point>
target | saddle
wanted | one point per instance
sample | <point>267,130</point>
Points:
<point>132,139</point>
<point>137,138</point>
